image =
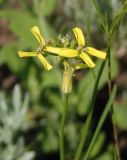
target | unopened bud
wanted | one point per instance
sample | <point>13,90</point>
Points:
<point>67,81</point>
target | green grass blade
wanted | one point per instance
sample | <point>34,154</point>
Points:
<point>85,129</point>
<point>101,121</point>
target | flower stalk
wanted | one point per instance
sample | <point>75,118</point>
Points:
<point>62,128</point>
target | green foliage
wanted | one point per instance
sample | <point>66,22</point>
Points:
<point>120,115</point>
<point>107,155</point>
<point>9,51</point>
<point>45,7</point>
<point>24,19</point>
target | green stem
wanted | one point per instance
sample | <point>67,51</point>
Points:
<point>83,137</point>
<point>115,132</point>
<point>109,70</point>
<point>86,126</point>
<point>61,136</point>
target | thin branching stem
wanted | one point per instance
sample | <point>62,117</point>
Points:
<point>115,132</point>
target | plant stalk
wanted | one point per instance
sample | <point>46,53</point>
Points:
<point>62,126</point>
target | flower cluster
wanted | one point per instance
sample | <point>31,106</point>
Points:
<point>79,54</point>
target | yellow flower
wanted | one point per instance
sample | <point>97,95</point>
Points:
<point>64,52</point>
<point>39,53</point>
<point>84,51</point>
<point>81,50</point>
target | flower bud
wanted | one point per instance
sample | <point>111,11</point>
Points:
<point>67,80</point>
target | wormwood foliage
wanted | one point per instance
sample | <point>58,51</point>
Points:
<point>12,118</point>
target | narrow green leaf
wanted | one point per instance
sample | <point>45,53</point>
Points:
<point>86,86</point>
<point>100,123</point>
<point>99,143</point>
<point>84,131</point>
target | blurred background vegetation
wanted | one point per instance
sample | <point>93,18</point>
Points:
<point>31,124</point>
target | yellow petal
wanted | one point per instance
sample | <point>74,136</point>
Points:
<point>64,52</point>
<point>79,36</point>
<point>87,60</point>
<point>96,53</point>
<point>80,66</point>
<point>27,54</point>
<point>35,30</point>
<point>45,63</point>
